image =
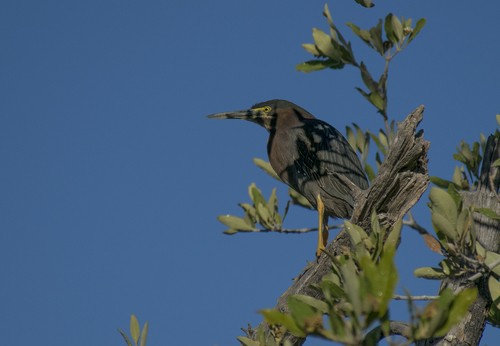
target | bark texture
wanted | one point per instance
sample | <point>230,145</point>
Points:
<point>401,181</point>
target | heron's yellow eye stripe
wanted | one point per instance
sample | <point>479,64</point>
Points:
<point>264,110</point>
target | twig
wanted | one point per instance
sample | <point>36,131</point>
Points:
<point>413,224</point>
<point>400,297</point>
<point>277,230</point>
<point>395,328</point>
<point>289,230</point>
<point>480,274</point>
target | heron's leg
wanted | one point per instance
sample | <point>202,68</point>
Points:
<point>322,227</point>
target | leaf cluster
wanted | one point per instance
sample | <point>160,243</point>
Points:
<point>464,256</point>
<point>260,212</point>
<point>437,317</point>
<point>360,141</point>
<point>356,296</point>
<point>331,50</point>
<point>466,177</point>
<point>356,293</point>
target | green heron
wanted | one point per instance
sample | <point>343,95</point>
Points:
<point>310,156</point>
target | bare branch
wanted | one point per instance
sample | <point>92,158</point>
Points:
<point>400,297</point>
<point>395,328</point>
<point>412,223</point>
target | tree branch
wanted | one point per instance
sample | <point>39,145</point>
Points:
<point>401,180</point>
<point>395,328</point>
<point>400,297</point>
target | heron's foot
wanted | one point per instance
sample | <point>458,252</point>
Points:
<point>322,228</point>
<point>322,241</point>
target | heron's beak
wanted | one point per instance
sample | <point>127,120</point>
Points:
<point>244,114</point>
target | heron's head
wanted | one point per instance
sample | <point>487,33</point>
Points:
<point>265,113</point>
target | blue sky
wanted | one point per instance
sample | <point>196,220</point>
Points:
<point>112,177</point>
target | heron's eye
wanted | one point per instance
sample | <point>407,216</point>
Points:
<point>263,110</point>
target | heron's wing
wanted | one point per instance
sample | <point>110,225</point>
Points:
<point>338,156</point>
<point>323,154</point>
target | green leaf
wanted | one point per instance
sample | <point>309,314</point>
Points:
<point>311,48</point>
<point>464,224</point>
<point>332,290</point>
<point>378,142</point>
<point>364,94</point>
<point>377,101</point>
<point>144,334</point>
<point>235,223</point>
<point>250,214</point>
<point>317,65</point>
<point>389,32</point>
<point>298,199</point>
<point>496,163</point>
<point>458,309</point>
<point>460,179</point>
<point>376,38</point>
<point>324,44</point>
<point>303,313</point>
<point>351,138</point>
<point>247,341</point>
<point>494,289</point>
<point>480,250</point>
<point>420,24</point>
<point>351,285</point>
<point>397,28</point>
<point>264,216</point>
<point>367,78</point>
<point>266,167</point>
<point>256,195</point>
<point>383,139</point>
<point>272,316</point>
<point>365,3</point>
<point>498,119</point>
<point>369,172</point>
<point>382,279</point>
<point>362,34</point>
<point>328,16</point>
<point>125,337</point>
<point>443,226</point>
<point>429,273</point>
<point>230,231</point>
<point>374,223</point>
<point>360,141</point>
<point>442,203</point>
<point>492,258</point>
<point>356,233</point>
<point>392,240</point>
<point>488,213</point>
<point>272,203</point>
<point>317,304</point>
<point>135,331</point>
<point>439,182</point>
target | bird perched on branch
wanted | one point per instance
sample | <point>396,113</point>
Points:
<point>310,156</point>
